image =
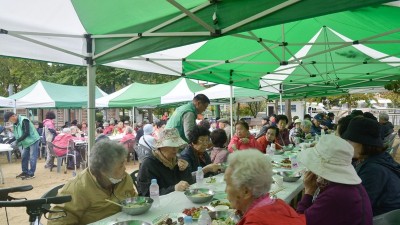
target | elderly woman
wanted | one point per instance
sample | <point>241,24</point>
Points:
<point>269,138</point>
<point>283,136</point>
<point>379,173</point>
<point>305,126</point>
<point>219,153</point>
<point>332,186</point>
<point>242,138</point>
<point>49,134</point>
<point>248,181</point>
<point>195,153</point>
<point>128,135</point>
<point>172,174</point>
<point>105,178</point>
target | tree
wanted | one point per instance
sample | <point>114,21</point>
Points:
<point>393,96</point>
<point>393,86</point>
<point>255,107</point>
<point>20,73</point>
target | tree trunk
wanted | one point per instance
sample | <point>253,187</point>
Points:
<point>237,113</point>
<point>276,106</point>
<point>150,115</point>
<point>288,110</point>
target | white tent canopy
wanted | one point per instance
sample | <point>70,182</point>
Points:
<point>6,102</point>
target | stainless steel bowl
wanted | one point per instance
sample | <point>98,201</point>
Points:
<point>136,205</point>
<point>132,222</point>
<point>289,176</point>
<point>192,195</point>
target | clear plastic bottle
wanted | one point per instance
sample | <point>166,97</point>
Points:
<point>273,148</point>
<point>187,220</point>
<point>199,176</point>
<point>294,162</point>
<point>322,132</point>
<point>204,218</point>
<point>155,193</point>
<point>269,152</point>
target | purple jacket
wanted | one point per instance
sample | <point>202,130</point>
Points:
<point>338,204</point>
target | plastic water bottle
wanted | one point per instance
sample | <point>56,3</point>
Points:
<point>155,193</point>
<point>204,218</point>
<point>294,163</point>
<point>273,148</point>
<point>199,176</point>
<point>188,220</point>
<point>269,151</point>
<point>322,132</point>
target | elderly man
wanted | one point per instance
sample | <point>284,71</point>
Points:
<point>317,124</point>
<point>184,117</point>
<point>26,137</point>
<point>386,126</point>
<point>248,181</point>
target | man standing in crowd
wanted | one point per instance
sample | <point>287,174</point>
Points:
<point>184,117</point>
<point>28,138</point>
<point>386,125</point>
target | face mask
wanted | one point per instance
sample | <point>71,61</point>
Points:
<point>114,181</point>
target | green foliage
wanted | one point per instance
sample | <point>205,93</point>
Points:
<point>23,73</point>
<point>393,86</point>
<point>99,116</point>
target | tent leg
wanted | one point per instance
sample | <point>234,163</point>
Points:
<point>91,83</point>
<point>280,102</point>
<point>231,108</point>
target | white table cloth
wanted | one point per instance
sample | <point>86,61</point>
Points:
<point>5,148</point>
<point>175,202</point>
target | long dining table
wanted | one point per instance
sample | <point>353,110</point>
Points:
<point>176,202</point>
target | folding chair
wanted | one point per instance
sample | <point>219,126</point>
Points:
<point>60,159</point>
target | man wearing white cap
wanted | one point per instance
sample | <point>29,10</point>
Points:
<point>333,190</point>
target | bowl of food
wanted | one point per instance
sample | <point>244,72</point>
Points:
<point>289,176</point>
<point>132,222</point>
<point>199,195</point>
<point>136,205</point>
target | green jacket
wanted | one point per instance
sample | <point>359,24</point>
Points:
<point>18,132</point>
<point>176,121</point>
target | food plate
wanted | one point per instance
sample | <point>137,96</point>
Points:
<point>194,212</point>
<point>162,220</point>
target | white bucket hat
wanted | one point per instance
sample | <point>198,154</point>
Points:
<point>169,138</point>
<point>331,160</point>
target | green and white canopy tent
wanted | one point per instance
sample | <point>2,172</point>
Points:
<point>330,54</point>
<point>93,32</point>
<point>44,94</point>
<point>221,93</point>
<point>151,95</point>
<point>7,102</point>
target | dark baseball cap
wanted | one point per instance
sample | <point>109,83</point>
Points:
<point>318,117</point>
<point>7,116</point>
